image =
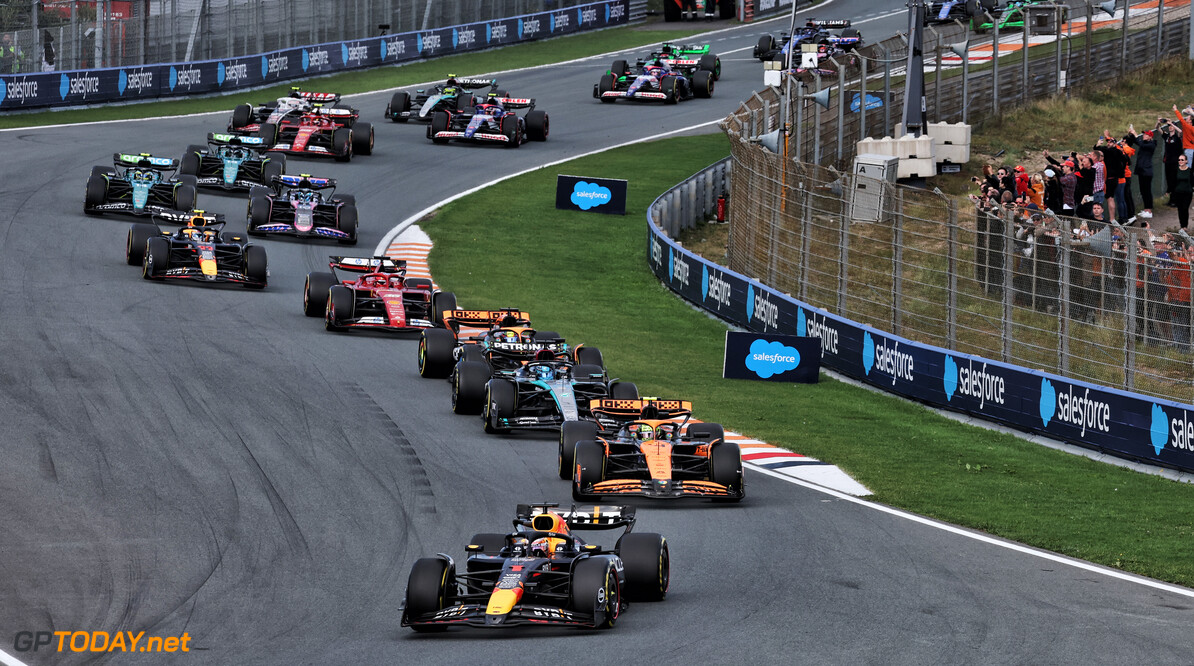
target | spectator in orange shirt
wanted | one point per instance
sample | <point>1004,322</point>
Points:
<point>1187,131</point>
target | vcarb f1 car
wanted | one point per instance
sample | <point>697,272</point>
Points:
<point>491,121</point>
<point>138,185</point>
<point>541,573</point>
<point>231,162</point>
<point>814,32</point>
<point>687,58</point>
<point>947,11</point>
<point>654,452</point>
<point>452,95</point>
<point>200,251</point>
<point>302,206</point>
<point>655,81</point>
<point>381,297</point>
<point>320,132</point>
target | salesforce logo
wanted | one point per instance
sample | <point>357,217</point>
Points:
<point>759,307</point>
<point>817,328</point>
<point>715,287</point>
<point>137,81</point>
<point>1162,430</point>
<point>766,359</point>
<point>3,90</point>
<point>656,251</point>
<point>885,359</point>
<point>679,269</point>
<point>1077,409</point>
<point>185,77</point>
<point>970,382</point>
<point>589,195</point>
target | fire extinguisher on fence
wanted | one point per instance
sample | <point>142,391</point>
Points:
<point>721,209</point>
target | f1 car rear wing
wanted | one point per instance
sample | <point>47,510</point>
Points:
<point>145,161</point>
<point>321,97</point>
<point>330,112</point>
<point>305,181</point>
<point>586,517</point>
<point>485,318</point>
<point>814,23</point>
<point>195,218</point>
<point>632,410</point>
<point>473,84</point>
<point>692,49</point>
<point>367,264</point>
<point>221,139</point>
<point>515,102</point>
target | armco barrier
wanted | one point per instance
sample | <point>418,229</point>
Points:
<point>1124,424</point>
<point>95,86</point>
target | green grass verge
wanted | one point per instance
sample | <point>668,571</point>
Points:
<point>379,78</point>
<point>585,275</point>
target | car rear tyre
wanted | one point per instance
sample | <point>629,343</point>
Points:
<point>362,138</point>
<point>589,356</point>
<point>157,258</point>
<point>97,194</point>
<point>588,374</point>
<point>185,197</point>
<point>442,302</point>
<point>588,467</point>
<point>623,390</point>
<point>619,68</point>
<point>342,144</point>
<point>430,589</point>
<point>537,126</point>
<point>501,399</point>
<point>710,432</point>
<point>595,591</point>
<point>464,102</point>
<point>139,234</point>
<point>647,563</point>
<point>346,221</point>
<point>268,132</point>
<point>702,84</point>
<point>572,432</point>
<point>712,64</point>
<point>315,293</point>
<point>435,353</point>
<point>339,308</point>
<point>256,266</point>
<point>765,46</point>
<point>189,164</point>
<point>491,543</point>
<point>468,387</point>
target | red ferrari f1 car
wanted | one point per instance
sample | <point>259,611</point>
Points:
<point>381,297</point>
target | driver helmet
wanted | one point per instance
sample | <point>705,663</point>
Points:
<point>378,281</point>
<point>544,372</point>
<point>507,336</point>
<point>191,232</point>
<point>642,431</point>
<point>544,547</point>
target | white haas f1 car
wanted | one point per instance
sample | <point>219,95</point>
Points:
<point>491,121</point>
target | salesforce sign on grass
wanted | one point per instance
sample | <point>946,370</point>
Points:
<point>598,195</point>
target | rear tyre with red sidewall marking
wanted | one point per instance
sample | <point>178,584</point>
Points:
<point>537,125</point>
<point>362,138</point>
<point>342,143</point>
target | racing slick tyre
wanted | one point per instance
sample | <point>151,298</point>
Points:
<point>256,267</point>
<point>588,467</point>
<point>595,591</point>
<point>501,399</point>
<point>430,589</point>
<point>188,179</point>
<point>315,293</point>
<point>344,198</point>
<point>606,85</point>
<point>468,387</point>
<point>712,64</point>
<point>619,68</point>
<point>668,86</point>
<point>702,84</point>
<point>546,335</point>
<point>362,138</point>
<point>465,102</point>
<point>339,308</point>
<point>852,33</point>
<point>276,166</point>
<point>435,353</point>
<point>184,197</point>
<point>346,221</point>
<point>648,565</point>
<point>97,194</point>
<point>399,103</point>
<point>134,251</point>
<point>269,132</point>
<point>259,214</point>
<point>342,143</point>
<point>442,302</point>
<point>103,171</point>
<point>242,115</point>
<point>512,131</point>
<point>572,432</point>
<point>589,356</point>
<point>439,123</point>
<point>490,543</point>
<point>765,46</point>
<point>725,467</point>
<point>189,164</point>
<point>473,353</point>
<point>537,126</point>
<point>623,390</point>
<point>157,258</point>
<point>710,431</point>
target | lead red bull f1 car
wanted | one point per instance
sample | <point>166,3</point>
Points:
<point>200,251</point>
<point>647,448</point>
<point>380,297</point>
<point>542,573</point>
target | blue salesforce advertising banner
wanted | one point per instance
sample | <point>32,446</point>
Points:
<point>116,84</point>
<point>598,195</point>
<point>1124,424</point>
<point>776,358</point>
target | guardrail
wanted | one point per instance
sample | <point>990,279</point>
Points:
<point>1124,424</point>
<point>121,84</point>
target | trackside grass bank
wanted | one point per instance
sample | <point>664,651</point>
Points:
<point>367,80</point>
<point>585,275</point>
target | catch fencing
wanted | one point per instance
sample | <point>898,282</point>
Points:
<point>128,33</point>
<point>1039,292</point>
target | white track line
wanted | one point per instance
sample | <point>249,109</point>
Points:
<point>9,660</point>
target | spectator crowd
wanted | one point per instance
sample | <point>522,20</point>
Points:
<point>1089,199</point>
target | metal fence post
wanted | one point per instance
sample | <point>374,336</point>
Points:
<point>1063,310</point>
<point>1009,258</point>
<point>843,270</point>
<point>841,110</point>
<point>1123,42</point>
<point>897,264</point>
<point>951,305</point>
<point>1025,85</point>
<point>1130,322</point>
<point>1086,38</point>
<point>886,92</point>
<point>817,124</point>
<point>862,101</point>
<point>1057,68</point>
<point>805,241</point>
<point>994,67</point>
